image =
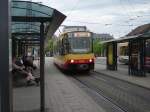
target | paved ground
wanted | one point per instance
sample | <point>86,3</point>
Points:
<point>128,97</point>
<point>62,95</point>
<point>122,73</point>
<point>27,99</point>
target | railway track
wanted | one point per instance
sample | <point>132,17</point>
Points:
<point>98,73</point>
<point>123,97</point>
<point>139,91</point>
<point>103,97</point>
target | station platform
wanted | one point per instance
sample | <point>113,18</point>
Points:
<point>122,73</point>
<point>62,95</point>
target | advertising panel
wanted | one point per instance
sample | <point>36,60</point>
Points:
<point>110,54</point>
<point>82,34</point>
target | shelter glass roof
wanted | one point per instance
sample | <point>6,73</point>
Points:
<point>32,9</point>
<point>25,9</point>
<point>22,27</point>
<point>27,17</point>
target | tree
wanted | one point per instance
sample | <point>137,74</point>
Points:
<point>97,47</point>
<point>49,47</point>
<point>103,49</point>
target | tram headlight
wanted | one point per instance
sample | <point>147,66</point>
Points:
<point>72,61</point>
<point>90,60</point>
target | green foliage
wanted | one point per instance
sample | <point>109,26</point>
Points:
<point>97,47</point>
<point>49,47</point>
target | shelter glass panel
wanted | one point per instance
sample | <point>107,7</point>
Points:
<point>24,8</point>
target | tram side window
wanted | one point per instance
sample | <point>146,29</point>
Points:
<point>61,48</point>
<point>65,46</point>
<point>57,48</point>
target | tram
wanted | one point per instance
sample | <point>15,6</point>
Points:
<point>74,51</point>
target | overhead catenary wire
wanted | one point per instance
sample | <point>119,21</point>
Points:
<point>138,14</point>
<point>97,23</point>
<point>129,14</point>
<point>136,19</point>
<point>129,23</point>
<point>131,7</point>
<point>75,6</point>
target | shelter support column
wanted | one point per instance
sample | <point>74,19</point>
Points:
<point>5,90</point>
<point>42,62</point>
<point>111,55</point>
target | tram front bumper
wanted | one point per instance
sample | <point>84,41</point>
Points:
<point>84,66</point>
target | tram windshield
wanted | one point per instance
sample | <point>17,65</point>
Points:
<point>80,44</point>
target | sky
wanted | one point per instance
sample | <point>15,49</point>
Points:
<point>116,17</point>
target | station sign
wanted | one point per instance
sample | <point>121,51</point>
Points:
<point>82,34</point>
<point>74,28</point>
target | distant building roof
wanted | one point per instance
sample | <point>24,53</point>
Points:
<point>140,30</point>
<point>103,36</point>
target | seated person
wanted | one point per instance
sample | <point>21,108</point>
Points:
<point>28,62</point>
<point>18,70</point>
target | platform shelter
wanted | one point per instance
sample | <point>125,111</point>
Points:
<point>137,42</point>
<point>23,24</point>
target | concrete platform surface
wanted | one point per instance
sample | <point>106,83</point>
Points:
<point>26,99</point>
<point>122,74</point>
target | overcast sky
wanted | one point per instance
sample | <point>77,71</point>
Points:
<point>116,17</point>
